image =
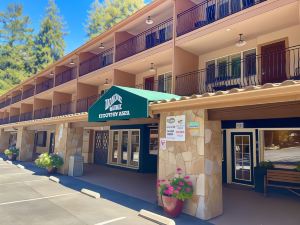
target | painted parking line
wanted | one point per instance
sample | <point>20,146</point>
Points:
<point>35,199</point>
<point>25,181</point>
<point>111,221</point>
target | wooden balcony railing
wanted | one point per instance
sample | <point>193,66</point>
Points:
<point>84,104</point>
<point>2,104</point>
<point>16,98</point>
<point>96,62</point>
<point>62,109</point>
<point>5,120</point>
<point>160,84</point>
<point>274,67</point>
<point>156,35</point>
<point>26,116</point>
<point>42,113</point>
<point>28,93</point>
<point>44,86</point>
<point>7,102</point>
<point>14,119</point>
<point>66,76</point>
<point>208,12</point>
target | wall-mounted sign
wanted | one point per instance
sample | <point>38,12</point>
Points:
<point>194,124</point>
<point>175,128</point>
<point>162,143</point>
<point>239,125</point>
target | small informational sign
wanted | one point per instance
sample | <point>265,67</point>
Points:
<point>239,125</point>
<point>194,124</point>
<point>175,128</point>
<point>163,144</point>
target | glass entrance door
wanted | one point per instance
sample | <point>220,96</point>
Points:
<point>242,157</point>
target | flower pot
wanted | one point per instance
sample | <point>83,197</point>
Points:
<point>51,170</point>
<point>12,157</point>
<point>172,206</point>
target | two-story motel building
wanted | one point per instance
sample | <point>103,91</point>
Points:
<point>237,60</point>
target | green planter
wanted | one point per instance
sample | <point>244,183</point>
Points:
<point>259,178</point>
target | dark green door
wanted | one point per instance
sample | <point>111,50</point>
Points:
<point>242,157</point>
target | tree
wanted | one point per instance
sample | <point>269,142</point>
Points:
<point>16,56</point>
<point>103,16</point>
<point>49,42</point>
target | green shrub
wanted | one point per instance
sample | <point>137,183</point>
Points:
<point>298,167</point>
<point>49,161</point>
<point>266,164</point>
<point>11,151</point>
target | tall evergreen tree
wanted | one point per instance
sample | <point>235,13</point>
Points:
<point>104,15</point>
<point>49,42</point>
<point>16,56</point>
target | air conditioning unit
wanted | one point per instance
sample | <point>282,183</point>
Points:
<point>76,166</point>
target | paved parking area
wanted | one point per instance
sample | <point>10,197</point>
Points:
<point>29,198</point>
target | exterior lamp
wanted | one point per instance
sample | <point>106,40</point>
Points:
<point>152,68</point>
<point>149,21</point>
<point>72,62</point>
<point>51,73</point>
<point>241,41</point>
<point>101,46</point>
<point>106,82</point>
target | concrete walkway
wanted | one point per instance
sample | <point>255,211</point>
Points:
<point>138,185</point>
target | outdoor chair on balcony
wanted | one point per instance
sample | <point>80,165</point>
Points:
<point>210,17</point>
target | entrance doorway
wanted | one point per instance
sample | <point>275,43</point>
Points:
<point>149,83</point>
<point>273,63</point>
<point>101,147</point>
<point>242,157</point>
<point>52,143</point>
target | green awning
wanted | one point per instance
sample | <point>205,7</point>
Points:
<point>123,103</point>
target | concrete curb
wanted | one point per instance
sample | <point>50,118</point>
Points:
<point>156,218</point>
<point>54,179</point>
<point>9,162</point>
<point>20,166</point>
<point>90,193</point>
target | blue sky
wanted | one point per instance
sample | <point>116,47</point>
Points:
<point>74,13</point>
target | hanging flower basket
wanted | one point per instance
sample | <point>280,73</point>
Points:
<point>173,193</point>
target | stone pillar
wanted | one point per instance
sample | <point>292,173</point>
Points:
<point>4,140</point>
<point>25,143</point>
<point>68,141</point>
<point>200,157</point>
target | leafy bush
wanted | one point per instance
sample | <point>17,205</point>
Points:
<point>178,187</point>
<point>266,164</point>
<point>298,167</point>
<point>11,151</point>
<point>49,161</point>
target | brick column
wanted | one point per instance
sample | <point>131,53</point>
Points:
<point>25,143</point>
<point>68,141</point>
<point>200,157</point>
<point>4,140</point>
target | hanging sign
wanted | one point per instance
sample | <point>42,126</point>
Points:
<point>175,128</point>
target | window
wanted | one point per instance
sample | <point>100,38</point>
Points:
<point>165,83</point>
<point>114,149</point>
<point>210,71</point>
<point>282,146</point>
<point>250,63</point>
<point>235,66</point>
<point>222,68</point>
<point>41,137</point>
<point>153,145</point>
<point>135,148</point>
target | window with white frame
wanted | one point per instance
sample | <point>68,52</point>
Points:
<point>165,82</point>
<point>231,67</point>
<point>281,146</point>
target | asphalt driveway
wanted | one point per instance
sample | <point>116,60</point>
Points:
<point>31,198</point>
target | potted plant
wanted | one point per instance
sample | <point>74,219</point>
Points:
<point>12,153</point>
<point>51,162</point>
<point>259,175</point>
<point>173,193</point>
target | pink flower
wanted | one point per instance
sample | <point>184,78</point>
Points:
<point>166,192</point>
<point>180,183</point>
<point>190,183</point>
<point>178,188</point>
<point>176,192</point>
<point>187,189</point>
<point>162,180</point>
<point>187,177</point>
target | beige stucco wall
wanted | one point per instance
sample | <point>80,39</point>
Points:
<point>200,157</point>
<point>4,140</point>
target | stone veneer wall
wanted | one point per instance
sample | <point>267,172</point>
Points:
<point>25,143</point>
<point>4,140</point>
<point>200,157</point>
<point>87,152</point>
<point>68,141</point>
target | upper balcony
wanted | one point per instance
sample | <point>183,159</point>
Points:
<point>63,109</point>
<point>44,85</point>
<point>65,76</point>
<point>16,98</point>
<point>96,62</point>
<point>205,12</point>
<point>28,92</point>
<point>84,104</point>
<point>238,71</point>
